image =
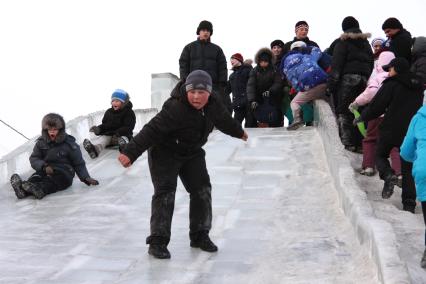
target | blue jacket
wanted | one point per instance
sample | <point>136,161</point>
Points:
<point>413,149</point>
<point>302,70</point>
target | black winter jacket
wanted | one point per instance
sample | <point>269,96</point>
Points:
<point>398,98</point>
<point>400,44</point>
<point>265,79</point>
<point>119,122</point>
<point>206,56</point>
<point>351,55</point>
<point>418,66</point>
<point>237,85</point>
<point>182,129</point>
<point>306,40</point>
<point>63,155</point>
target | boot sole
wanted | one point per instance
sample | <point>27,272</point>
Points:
<point>88,146</point>
<point>16,182</point>
<point>165,256</point>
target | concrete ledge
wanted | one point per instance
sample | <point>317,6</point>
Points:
<point>17,161</point>
<point>376,234</point>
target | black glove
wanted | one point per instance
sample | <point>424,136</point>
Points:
<point>253,105</point>
<point>265,94</point>
<point>356,121</point>
<point>48,170</point>
<point>90,181</point>
<point>95,129</point>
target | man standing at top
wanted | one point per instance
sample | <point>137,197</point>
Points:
<point>399,39</point>
<point>301,30</point>
<point>204,55</point>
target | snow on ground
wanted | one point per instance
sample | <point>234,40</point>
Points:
<point>409,228</point>
<point>277,219</point>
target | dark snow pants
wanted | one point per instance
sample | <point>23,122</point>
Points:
<point>50,184</point>
<point>165,167</point>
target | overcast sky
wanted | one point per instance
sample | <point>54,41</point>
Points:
<point>69,56</point>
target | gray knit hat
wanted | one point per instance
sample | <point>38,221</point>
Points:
<point>198,80</point>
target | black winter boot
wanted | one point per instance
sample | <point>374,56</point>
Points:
<point>204,243</point>
<point>16,182</point>
<point>91,150</point>
<point>390,182</point>
<point>159,251</point>
<point>33,189</point>
<point>423,261</point>
<point>409,205</point>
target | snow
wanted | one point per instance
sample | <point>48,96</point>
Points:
<point>288,207</point>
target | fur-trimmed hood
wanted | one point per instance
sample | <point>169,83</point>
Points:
<point>53,120</point>
<point>267,51</point>
<point>354,34</point>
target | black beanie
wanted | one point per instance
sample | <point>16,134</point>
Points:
<point>278,42</point>
<point>349,23</point>
<point>198,80</point>
<point>205,25</point>
<point>392,23</point>
<point>301,23</point>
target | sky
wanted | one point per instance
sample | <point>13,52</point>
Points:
<point>69,56</point>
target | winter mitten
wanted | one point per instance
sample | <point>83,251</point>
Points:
<point>265,94</point>
<point>95,129</point>
<point>90,181</point>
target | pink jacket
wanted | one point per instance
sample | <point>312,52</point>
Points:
<point>376,79</point>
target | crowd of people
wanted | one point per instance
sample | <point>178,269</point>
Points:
<point>383,81</point>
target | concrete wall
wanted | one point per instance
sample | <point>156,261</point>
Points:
<point>17,161</point>
<point>375,234</point>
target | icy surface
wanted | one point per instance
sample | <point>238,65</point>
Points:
<point>276,213</point>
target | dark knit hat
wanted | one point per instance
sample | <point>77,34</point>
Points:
<point>52,120</point>
<point>265,57</point>
<point>392,23</point>
<point>120,95</point>
<point>301,24</point>
<point>277,42</point>
<point>205,25</point>
<point>198,80</point>
<point>400,64</point>
<point>349,23</point>
<point>238,56</point>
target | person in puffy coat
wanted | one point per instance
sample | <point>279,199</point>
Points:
<point>117,125</point>
<point>399,98</point>
<point>418,53</point>
<point>351,67</point>
<point>202,54</point>
<point>237,85</point>
<point>305,76</point>
<point>174,140</point>
<point>56,158</point>
<point>265,90</point>
<point>370,140</point>
<point>413,149</point>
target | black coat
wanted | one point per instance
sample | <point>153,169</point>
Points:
<point>400,44</point>
<point>206,56</point>
<point>398,98</point>
<point>119,122</point>
<point>237,85</point>
<point>418,66</point>
<point>306,40</point>
<point>182,129</point>
<point>265,79</point>
<point>63,155</point>
<point>351,55</point>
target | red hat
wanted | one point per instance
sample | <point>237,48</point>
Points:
<point>238,56</point>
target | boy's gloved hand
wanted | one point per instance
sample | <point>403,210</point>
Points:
<point>95,129</point>
<point>353,106</point>
<point>90,181</point>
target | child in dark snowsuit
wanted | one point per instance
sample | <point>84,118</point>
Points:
<point>117,125</point>
<point>56,157</point>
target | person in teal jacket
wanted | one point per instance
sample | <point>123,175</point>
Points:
<point>413,149</point>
